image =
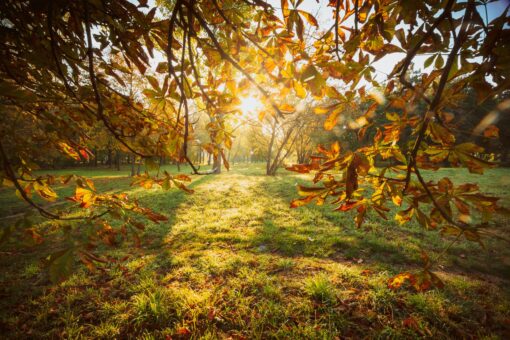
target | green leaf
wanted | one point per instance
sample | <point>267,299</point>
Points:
<point>61,265</point>
<point>429,61</point>
<point>439,62</point>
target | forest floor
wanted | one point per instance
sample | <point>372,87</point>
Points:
<point>234,261</point>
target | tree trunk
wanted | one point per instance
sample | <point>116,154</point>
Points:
<point>132,160</point>
<point>117,160</point>
<point>504,156</point>
<point>273,166</point>
<point>110,156</point>
<point>95,157</point>
<point>217,164</point>
<point>270,150</point>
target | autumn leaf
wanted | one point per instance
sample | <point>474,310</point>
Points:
<point>331,121</point>
<point>45,191</point>
<point>301,201</point>
<point>154,83</point>
<point>183,331</point>
<point>440,134</point>
<point>399,280</point>
<point>310,18</point>
<point>162,67</point>
<point>68,150</point>
<point>287,108</point>
<point>491,131</point>
<point>303,168</point>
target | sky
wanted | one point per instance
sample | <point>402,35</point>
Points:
<point>325,16</point>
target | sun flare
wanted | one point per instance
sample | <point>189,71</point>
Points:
<point>250,106</point>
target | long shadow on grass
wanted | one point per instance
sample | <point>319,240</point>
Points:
<point>166,203</point>
<point>311,231</point>
<point>322,232</point>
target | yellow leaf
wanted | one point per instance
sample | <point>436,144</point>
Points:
<point>392,116</point>
<point>154,82</point>
<point>331,121</point>
<point>231,86</point>
<point>286,108</point>
<point>321,109</point>
<point>300,90</point>
<point>398,280</point>
<point>310,18</point>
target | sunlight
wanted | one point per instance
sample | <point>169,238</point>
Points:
<point>288,57</point>
<point>250,106</point>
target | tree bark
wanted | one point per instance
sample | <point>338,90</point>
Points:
<point>217,164</point>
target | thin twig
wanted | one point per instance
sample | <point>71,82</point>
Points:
<point>439,92</point>
<point>228,58</point>
<point>97,95</point>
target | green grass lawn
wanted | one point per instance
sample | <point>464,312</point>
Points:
<point>233,261</point>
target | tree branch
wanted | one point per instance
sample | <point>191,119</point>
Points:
<point>97,95</point>
<point>439,92</point>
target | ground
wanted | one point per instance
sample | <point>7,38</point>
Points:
<point>234,261</point>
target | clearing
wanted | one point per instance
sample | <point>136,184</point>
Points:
<point>234,260</point>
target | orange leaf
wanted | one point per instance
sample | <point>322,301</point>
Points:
<point>492,131</point>
<point>398,280</point>
<point>183,331</point>
<point>301,201</point>
<point>286,108</point>
<point>302,168</point>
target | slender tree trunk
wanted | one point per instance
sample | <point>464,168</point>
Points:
<point>270,149</point>
<point>217,164</point>
<point>272,166</point>
<point>117,160</point>
<point>110,156</point>
<point>95,157</point>
<point>132,159</point>
<point>504,156</point>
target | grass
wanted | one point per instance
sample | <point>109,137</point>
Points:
<point>234,261</point>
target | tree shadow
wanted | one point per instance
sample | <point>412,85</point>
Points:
<point>318,231</point>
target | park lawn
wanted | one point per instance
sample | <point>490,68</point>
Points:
<point>234,261</point>
<point>105,180</point>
